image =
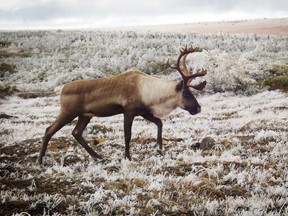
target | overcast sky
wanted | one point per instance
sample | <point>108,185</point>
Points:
<point>57,14</point>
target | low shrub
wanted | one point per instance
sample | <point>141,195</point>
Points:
<point>279,82</point>
<point>4,67</point>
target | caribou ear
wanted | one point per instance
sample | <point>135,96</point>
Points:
<point>200,86</point>
<point>179,86</point>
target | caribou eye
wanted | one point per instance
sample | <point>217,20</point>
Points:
<point>186,93</point>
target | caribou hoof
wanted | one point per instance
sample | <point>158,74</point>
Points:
<point>160,152</point>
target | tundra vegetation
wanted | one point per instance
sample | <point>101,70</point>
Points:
<point>244,115</point>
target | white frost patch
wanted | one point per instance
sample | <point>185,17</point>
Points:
<point>266,134</point>
<point>251,145</point>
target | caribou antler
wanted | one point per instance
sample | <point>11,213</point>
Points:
<point>184,72</point>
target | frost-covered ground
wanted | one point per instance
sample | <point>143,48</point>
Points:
<point>245,173</point>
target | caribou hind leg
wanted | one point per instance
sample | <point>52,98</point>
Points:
<point>78,131</point>
<point>61,120</point>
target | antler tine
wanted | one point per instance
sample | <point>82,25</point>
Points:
<point>184,49</point>
<point>185,69</point>
<point>187,77</point>
<point>199,72</point>
<point>183,54</point>
<point>201,85</point>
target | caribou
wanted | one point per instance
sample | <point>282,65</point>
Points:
<point>132,94</point>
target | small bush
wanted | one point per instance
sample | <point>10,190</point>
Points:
<point>41,76</point>
<point>4,67</point>
<point>158,68</point>
<point>7,89</point>
<point>5,43</point>
<point>280,82</point>
<point>21,54</point>
<point>279,70</point>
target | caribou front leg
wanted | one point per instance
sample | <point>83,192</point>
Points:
<point>150,117</point>
<point>128,121</point>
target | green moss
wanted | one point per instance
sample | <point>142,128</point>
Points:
<point>4,67</point>
<point>158,68</point>
<point>22,54</point>
<point>279,70</point>
<point>8,90</point>
<point>279,82</point>
<point>41,76</point>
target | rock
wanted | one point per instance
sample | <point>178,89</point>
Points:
<point>195,146</point>
<point>207,143</point>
